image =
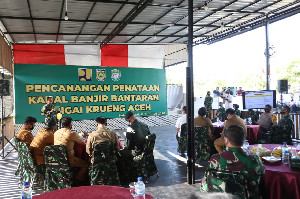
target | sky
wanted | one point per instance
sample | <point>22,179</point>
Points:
<point>245,54</point>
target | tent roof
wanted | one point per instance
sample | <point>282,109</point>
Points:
<point>135,21</point>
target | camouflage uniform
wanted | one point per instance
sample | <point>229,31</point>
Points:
<point>47,111</point>
<point>253,115</point>
<point>136,139</point>
<point>208,104</point>
<point>237,112</point>
<point>282,132</point>
<point>236,160</point>
<point>221,114</point>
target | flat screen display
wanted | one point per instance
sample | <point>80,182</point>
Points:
<point>259,99</point>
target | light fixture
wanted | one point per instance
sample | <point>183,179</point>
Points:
<point>66,13</point>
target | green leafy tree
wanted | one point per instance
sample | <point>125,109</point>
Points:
<point>291,73</point>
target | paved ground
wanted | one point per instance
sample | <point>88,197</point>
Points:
<point>171,182</point>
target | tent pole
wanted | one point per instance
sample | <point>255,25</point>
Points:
<point>267,54</point>
<point>190,99</point>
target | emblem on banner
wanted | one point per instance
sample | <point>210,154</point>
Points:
<point>84,74</point>
<point>115,75</point>
<point>100,74</point>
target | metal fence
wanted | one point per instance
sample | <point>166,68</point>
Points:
<point>296,119</point>
<point>113,124</point>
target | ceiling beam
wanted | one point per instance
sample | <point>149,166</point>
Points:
<point>96,34</point>
<point>120,8</point>
<point>101,21</point>
<point>155,21</point>
<point>87,17</point>
<point>29,8</point>
<point>128,18</point>
<point>61,14</point>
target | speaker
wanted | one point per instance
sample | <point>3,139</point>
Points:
<point>282,85</point>
<point>4,87</point>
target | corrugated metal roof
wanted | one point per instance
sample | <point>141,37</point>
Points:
<point>136,21</point>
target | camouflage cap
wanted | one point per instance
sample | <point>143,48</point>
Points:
<point>128,115</point>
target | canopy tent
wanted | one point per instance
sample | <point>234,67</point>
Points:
<point>136,21</point>
<point>147,22</point>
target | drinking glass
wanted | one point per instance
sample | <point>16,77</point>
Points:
<point>132,189</point>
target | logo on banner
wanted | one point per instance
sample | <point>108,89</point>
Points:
<point>115,75</point>
<point>84,74</point>
<point>100,74</point>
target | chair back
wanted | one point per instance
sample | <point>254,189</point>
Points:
<point>144,163</point>
<point>58,171</point>
<point>56,157</point>
<point>103,170</point>
<point>182,140</point>
<point>229,182</point>
<point>279,135</point>
<point>202,143</point>
<point>20,162</point>
<point>27,162</point>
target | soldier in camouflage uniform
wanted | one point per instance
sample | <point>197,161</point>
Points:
<point>253,115</point>
<point>234,159</point>
<point>236,109</point>
<point>208,104</point>
<point>49,109</point>
<point>283,132</point>
<point>221,112</point>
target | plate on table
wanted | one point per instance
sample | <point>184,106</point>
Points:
<point>271,159</point>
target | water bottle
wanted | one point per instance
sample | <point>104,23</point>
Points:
<point>285,153</point>
<point>246,146</point>
<point>26,192</point>
<point>140,189</point>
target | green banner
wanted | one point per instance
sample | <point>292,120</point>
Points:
<point>87,92</point>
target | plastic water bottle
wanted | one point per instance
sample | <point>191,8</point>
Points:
<point>140,189</point>
<point>246,146</point>
<point>26,192</point>
<point>285,153</point>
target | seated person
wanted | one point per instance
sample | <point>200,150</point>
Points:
<point>136,136</point>
<point>102,134</point>
<point>236,109</point>
<point>283,132</point>
<point>232,120</point>
<point>221,112</point>
<point>234,159</point>
<point>68,138</point>
<point>180,121</point>
<point>25,134</point>
<point>201,120</point>
<point>43,138</point>
<point>253,115</point>
<point>266,119</point>
<point>286,122</point>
